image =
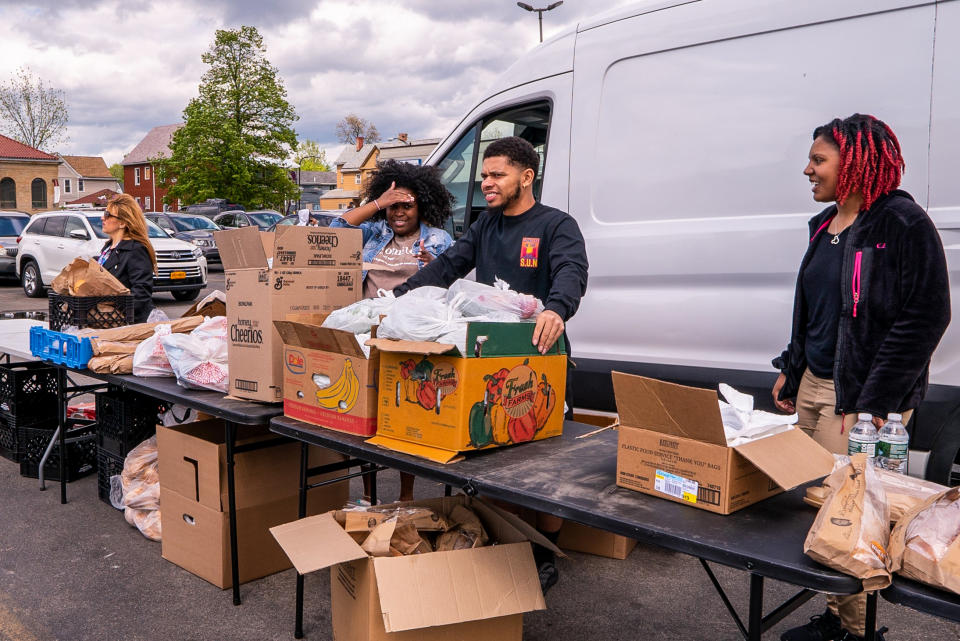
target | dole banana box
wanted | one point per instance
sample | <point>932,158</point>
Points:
<point>327,378</point>
<point>436,403</point>
<point>298,270</point>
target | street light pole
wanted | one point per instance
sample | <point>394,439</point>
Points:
<point>539,12</point>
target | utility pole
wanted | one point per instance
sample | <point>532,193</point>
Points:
<point>539,12</point>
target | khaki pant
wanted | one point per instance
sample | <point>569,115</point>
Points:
<point>816,407</point>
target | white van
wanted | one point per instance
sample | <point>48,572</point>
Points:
<point>676,133</point>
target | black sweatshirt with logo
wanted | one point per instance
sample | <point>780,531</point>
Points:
<point>539,252</point>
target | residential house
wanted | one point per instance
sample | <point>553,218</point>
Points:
<point>313,185</point>
<point>84,175</point>
<point>96,199</point>
<point>27,177</point>
<point>139,172</point>
<point>413,151</point>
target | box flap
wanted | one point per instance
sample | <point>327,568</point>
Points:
<point>442,588</point>
<point>268,239</point>
<point>490,340</point>
<point>316,542</point>
<point>413,347</point>
<point>668,408</point>
<point>320,338</point>
<point>790,458</point>
<point>423,451</point>
<point>240,248</point>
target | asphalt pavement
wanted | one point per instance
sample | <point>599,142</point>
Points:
<point>79,572</point>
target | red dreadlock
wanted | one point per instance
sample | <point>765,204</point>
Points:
<point>871,163</point>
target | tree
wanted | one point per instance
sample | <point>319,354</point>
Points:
<point>32,111</point>
<point>309,156</point>
<point>116,170</point>
<point>353,126</point>
<point>237,132</point>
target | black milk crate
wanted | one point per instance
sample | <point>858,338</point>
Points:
<point>107,465</point>
<point>125,420</point>
<point>98,312</point>
<point>81,456</point>
<point>28,393</point>
<point>9,443</point>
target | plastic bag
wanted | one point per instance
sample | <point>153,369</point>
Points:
<point>925,544</point>
<point>150,359</point>
<point>199,359</point>
<point>480,300</point>
<point>361,316</point>
<point>136,490</point>
<point>157,315</point>
<point>742,423</point>
<point>420,318</point>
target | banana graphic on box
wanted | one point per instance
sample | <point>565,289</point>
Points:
<point>341,395</point>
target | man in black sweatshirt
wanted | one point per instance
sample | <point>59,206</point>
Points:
<point>537,249</point>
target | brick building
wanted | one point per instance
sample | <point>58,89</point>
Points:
<point>139,173</point>
<point>27,177</point>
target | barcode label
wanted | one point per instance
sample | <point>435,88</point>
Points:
<point>706,495</point>
<point>676,486</point>
<point>246,386</point>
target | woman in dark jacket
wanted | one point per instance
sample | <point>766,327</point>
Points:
<point>128,255</point>
<point>871,304</point>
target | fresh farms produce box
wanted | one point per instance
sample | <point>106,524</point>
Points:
<point>297,270</point>
<point>437,403</point>
<point>327,378</point>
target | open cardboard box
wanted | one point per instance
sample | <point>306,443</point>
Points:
<point>468,595</point>
<point>671,444</point>
<point>312,353</point>
<point>437,403</point>
<point>297,270</point>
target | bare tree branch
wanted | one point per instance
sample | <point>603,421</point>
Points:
<point>32,111</point>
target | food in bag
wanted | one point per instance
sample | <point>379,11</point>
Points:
<point>359,317</point>
<point>476,299</point>
<point>136,490</point>
<point>924,543</point>
<point>852,530</point>
<point>150,359</point>
<point>199,359</point>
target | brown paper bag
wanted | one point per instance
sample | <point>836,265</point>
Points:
<point>111,364</point>
<point>141,331</point>
<point>377,542</point>
<point>852,530</point>
<point>925,545</point>
<point>87,278</point>
<point>466,531</point>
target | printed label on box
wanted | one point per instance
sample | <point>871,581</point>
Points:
<point>676,486</point>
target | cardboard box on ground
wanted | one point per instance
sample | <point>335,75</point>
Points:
<point>671,444</point>
<point>437,403</point>
<point>295,270</point>
<point>469,595</point>
<point>327,378</point>
<point>193,499</point>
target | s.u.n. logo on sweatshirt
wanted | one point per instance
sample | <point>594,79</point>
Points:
<point>529,252</point>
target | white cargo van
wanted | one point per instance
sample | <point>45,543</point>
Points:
<point>676,133</point>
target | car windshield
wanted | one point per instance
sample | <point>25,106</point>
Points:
<point>191,223</point>
<point>12,226</point>
<point>264,220</point>
<point>153,231</point>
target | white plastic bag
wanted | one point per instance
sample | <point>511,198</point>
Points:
<point>136,490</point>
<point>150,359</point>
<point>420,318</point>
<point>359,317</point>
<point>199,359</point>
<point>742,423</point>
<point>480,300</point>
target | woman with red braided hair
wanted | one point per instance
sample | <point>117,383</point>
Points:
<point>872,301</point>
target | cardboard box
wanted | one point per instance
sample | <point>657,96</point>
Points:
<point>437,403</point>
<point>468,595</point>
<point>193,500</point>
<point>671,444</point>
<point>308,272</point>
<point>583,538</point>
<point>327,379</point>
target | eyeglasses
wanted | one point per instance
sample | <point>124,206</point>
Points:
<point>107,214</point>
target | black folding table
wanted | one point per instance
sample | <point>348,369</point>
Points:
<point>923,598</point>
<point>574,478</point>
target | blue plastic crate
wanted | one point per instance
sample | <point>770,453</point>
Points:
<point>60,348</point>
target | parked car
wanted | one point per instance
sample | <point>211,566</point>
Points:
<point>11,225</point>
<point>51,240</point>
<point>233,219</point>
<point>321,220</point>
<point>210,207</point>
<point>675,133</point>
<point>195,229</point>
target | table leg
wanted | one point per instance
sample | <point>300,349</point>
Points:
<point>870,624</point>
<point>62,425</point>
<point>304,456</point>
<point>755,619</point>
<point>231,439</point>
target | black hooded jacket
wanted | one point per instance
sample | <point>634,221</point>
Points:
<point>896,306</point>
<point>130,263</point>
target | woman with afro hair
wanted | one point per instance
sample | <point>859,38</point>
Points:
<point>402,222</point>
<point>872,301</point>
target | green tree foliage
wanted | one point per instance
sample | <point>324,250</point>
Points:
<point>32,111</point>
<point>237,133</point>
<point>116,170</point>
<point>353,126</point>
<point>309,156</point>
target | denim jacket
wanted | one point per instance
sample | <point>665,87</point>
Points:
<point>377,234</point>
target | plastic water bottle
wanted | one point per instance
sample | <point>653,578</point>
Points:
<point>863,437</point>
<point>892,448</point>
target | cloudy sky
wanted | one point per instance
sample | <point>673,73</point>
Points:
<point>412,66</point>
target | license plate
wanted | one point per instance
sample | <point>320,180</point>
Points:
<point>176,275</point>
